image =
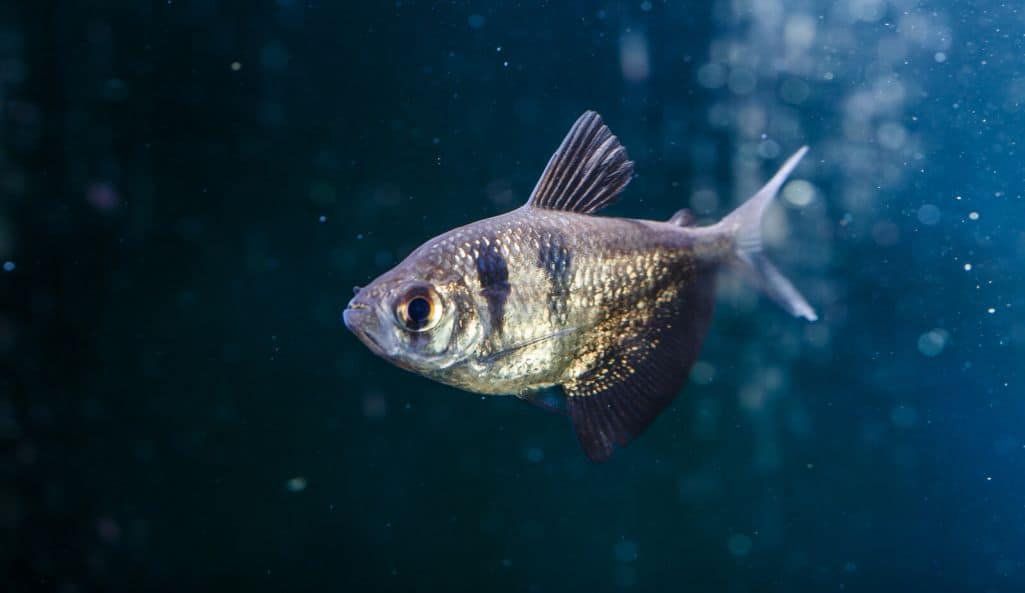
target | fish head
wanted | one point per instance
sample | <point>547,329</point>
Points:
<point>422,324</point>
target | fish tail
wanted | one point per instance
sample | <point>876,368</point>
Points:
<point>745,226</point>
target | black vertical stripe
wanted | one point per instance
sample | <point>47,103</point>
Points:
<point>493,274</point>
<point>557,262</point>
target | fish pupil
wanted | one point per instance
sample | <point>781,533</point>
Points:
<point>418,311</point>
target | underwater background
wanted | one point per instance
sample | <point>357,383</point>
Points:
<point>189,189</point>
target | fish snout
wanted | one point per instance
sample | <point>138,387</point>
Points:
<point>355,314</point>
<point>365,322</point>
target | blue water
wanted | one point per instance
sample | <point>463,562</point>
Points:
<point>191,188</point>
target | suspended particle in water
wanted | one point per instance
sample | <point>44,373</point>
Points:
<point>634,60</point>
<point>711,76</point>
<point>968,267</point>
<point>702,373</point>
<point>108,530</point>
<point>932,342</point>
<point>739,544</point>
<point>296,484</point>
<point>973,215</point>
<point>626,551</point>
<point>102,196</point>
<point>928,214</point>
<point>375,405</point>
<point>904,416</point>
<point>236,66</point>
<point>799,193</point>
<point>9,266</point>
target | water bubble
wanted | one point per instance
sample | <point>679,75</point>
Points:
<point>932,342</point>
<point>973,215</point>
<point>9,266</point>
<point>928,214</point>
<point>885,233</point>
<point>799,193</point>
<point>236,66</point>
<point>322,218</point>
<point>892,135</point>
<point>799,31</point>
<point>794,91</point>
<point>968,267</point>
<point>296,484</point>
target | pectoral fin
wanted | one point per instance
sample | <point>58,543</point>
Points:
<point>495,356</point>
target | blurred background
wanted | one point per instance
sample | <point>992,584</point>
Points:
<point>190,188</point>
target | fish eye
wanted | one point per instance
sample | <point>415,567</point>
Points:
<point>419,309</point>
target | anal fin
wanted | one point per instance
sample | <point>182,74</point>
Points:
<point>640,375</point>
<point>545,399</point>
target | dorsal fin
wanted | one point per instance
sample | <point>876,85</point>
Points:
<point>587,172</point>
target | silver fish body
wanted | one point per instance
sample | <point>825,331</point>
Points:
<point>612,310</point>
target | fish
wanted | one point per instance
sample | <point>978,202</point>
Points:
<point>549,296</point>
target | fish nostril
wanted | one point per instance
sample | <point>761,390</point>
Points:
<point>356,289</point>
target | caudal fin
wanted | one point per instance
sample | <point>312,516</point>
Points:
<point>746,225</point>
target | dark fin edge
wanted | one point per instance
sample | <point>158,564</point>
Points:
<point>587,172</point>
<point>619,399</point>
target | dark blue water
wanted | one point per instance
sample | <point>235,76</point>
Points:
<point>189,189</point>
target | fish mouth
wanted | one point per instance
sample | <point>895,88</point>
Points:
<point>354,317</point>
